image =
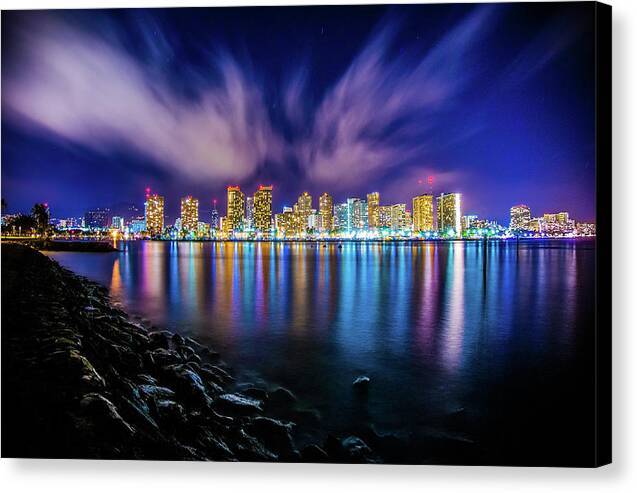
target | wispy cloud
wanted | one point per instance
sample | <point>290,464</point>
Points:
<point>380,113</point>
<point>376,116</point>
<point>92,92</point>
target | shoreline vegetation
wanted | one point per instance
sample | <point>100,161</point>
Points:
<point>82,379</point>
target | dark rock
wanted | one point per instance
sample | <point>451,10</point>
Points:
<point>164,357</point>
<point>357,450</point>
<point>222,374</point>
<point>156,392</point>
<point>170,413</point>
<point>314,453</point>
<point>274,434</point>
<point>282,397</point>
<point>238,404</point>
<point>178,340</point>
<point>187,384</point>
<point>361,383</point>
<point>105,416</point>
<point>255,393</point>
<point>249,448</point>
<point>160,339</point>
<point>74,365</point>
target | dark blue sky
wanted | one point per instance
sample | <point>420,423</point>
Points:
<point>496,102</point>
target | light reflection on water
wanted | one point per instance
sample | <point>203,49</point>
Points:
<point>437,326</point>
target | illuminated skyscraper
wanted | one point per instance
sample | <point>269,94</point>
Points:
<point>358,214</point>
<point>250,212</point>
<point>423,209</point>
<point>304,209</point>
<point>287,223</point>
<point>384,216</point>
<point>398,217</point>
<point>189,214</point>
<point>409,221</point>
<point>263,208</point>
<point>154,214</point>
<point>326,208</point>
<point>520,217</point>
<point>214,217</point>
<point>236,210</point>
<point>449,214</point>
<point>341,217</point>
<point>373,209</point>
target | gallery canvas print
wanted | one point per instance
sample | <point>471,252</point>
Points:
<point>374,234</point>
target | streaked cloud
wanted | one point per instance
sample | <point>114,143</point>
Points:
<point>377,115</point>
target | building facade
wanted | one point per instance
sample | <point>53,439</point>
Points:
<point>341,218</point>
<point>263,209</point>
<point>154,214</point>
<point>357,214</point>
<point>423,213</point>
<point>373,209</point>
<point>398,217</point>
<point>326,212</point>
<point>249,224</point>
<point>384,216</point>
<point>449,214</point>
<point>303,209</point>
<point>520,217</point>
<point>236,207</point>
<point>189,214</point>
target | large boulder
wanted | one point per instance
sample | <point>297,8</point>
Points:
<point>275,434</point>
<point>186,384</point>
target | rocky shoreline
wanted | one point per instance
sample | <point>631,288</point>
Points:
<point>81,379</point>
<point>97,246</point>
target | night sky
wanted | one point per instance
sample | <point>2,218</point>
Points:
<point>495,102</point>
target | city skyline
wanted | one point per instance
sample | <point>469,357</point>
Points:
<point>498,121</point>
<point>253,217</point>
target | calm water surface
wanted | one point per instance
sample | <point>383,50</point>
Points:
<point>493,347</point>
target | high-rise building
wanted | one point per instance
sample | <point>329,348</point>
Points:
<point>326,211</point>
<point>249,212</point>
<point>373,209</point>
<point>520,217</point>
<point>117,223</point>
<point>341,218</point>
<point>154,214</point>
<point>398,217</point>
<point>304,209</point>
<point>287,223</point>
<point>313,221</point>
<point>468,221</point>
<point>409,221</point>
<point>97,218</point>
<point>236,209</point>
<point>263,208</point>
<point>214,217</point>
<point>423,213</point>
<point>358,214</point>
<point>189,214</point>
<point>384,216</point>
<point>449,214</point>
<point>557,224</point>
